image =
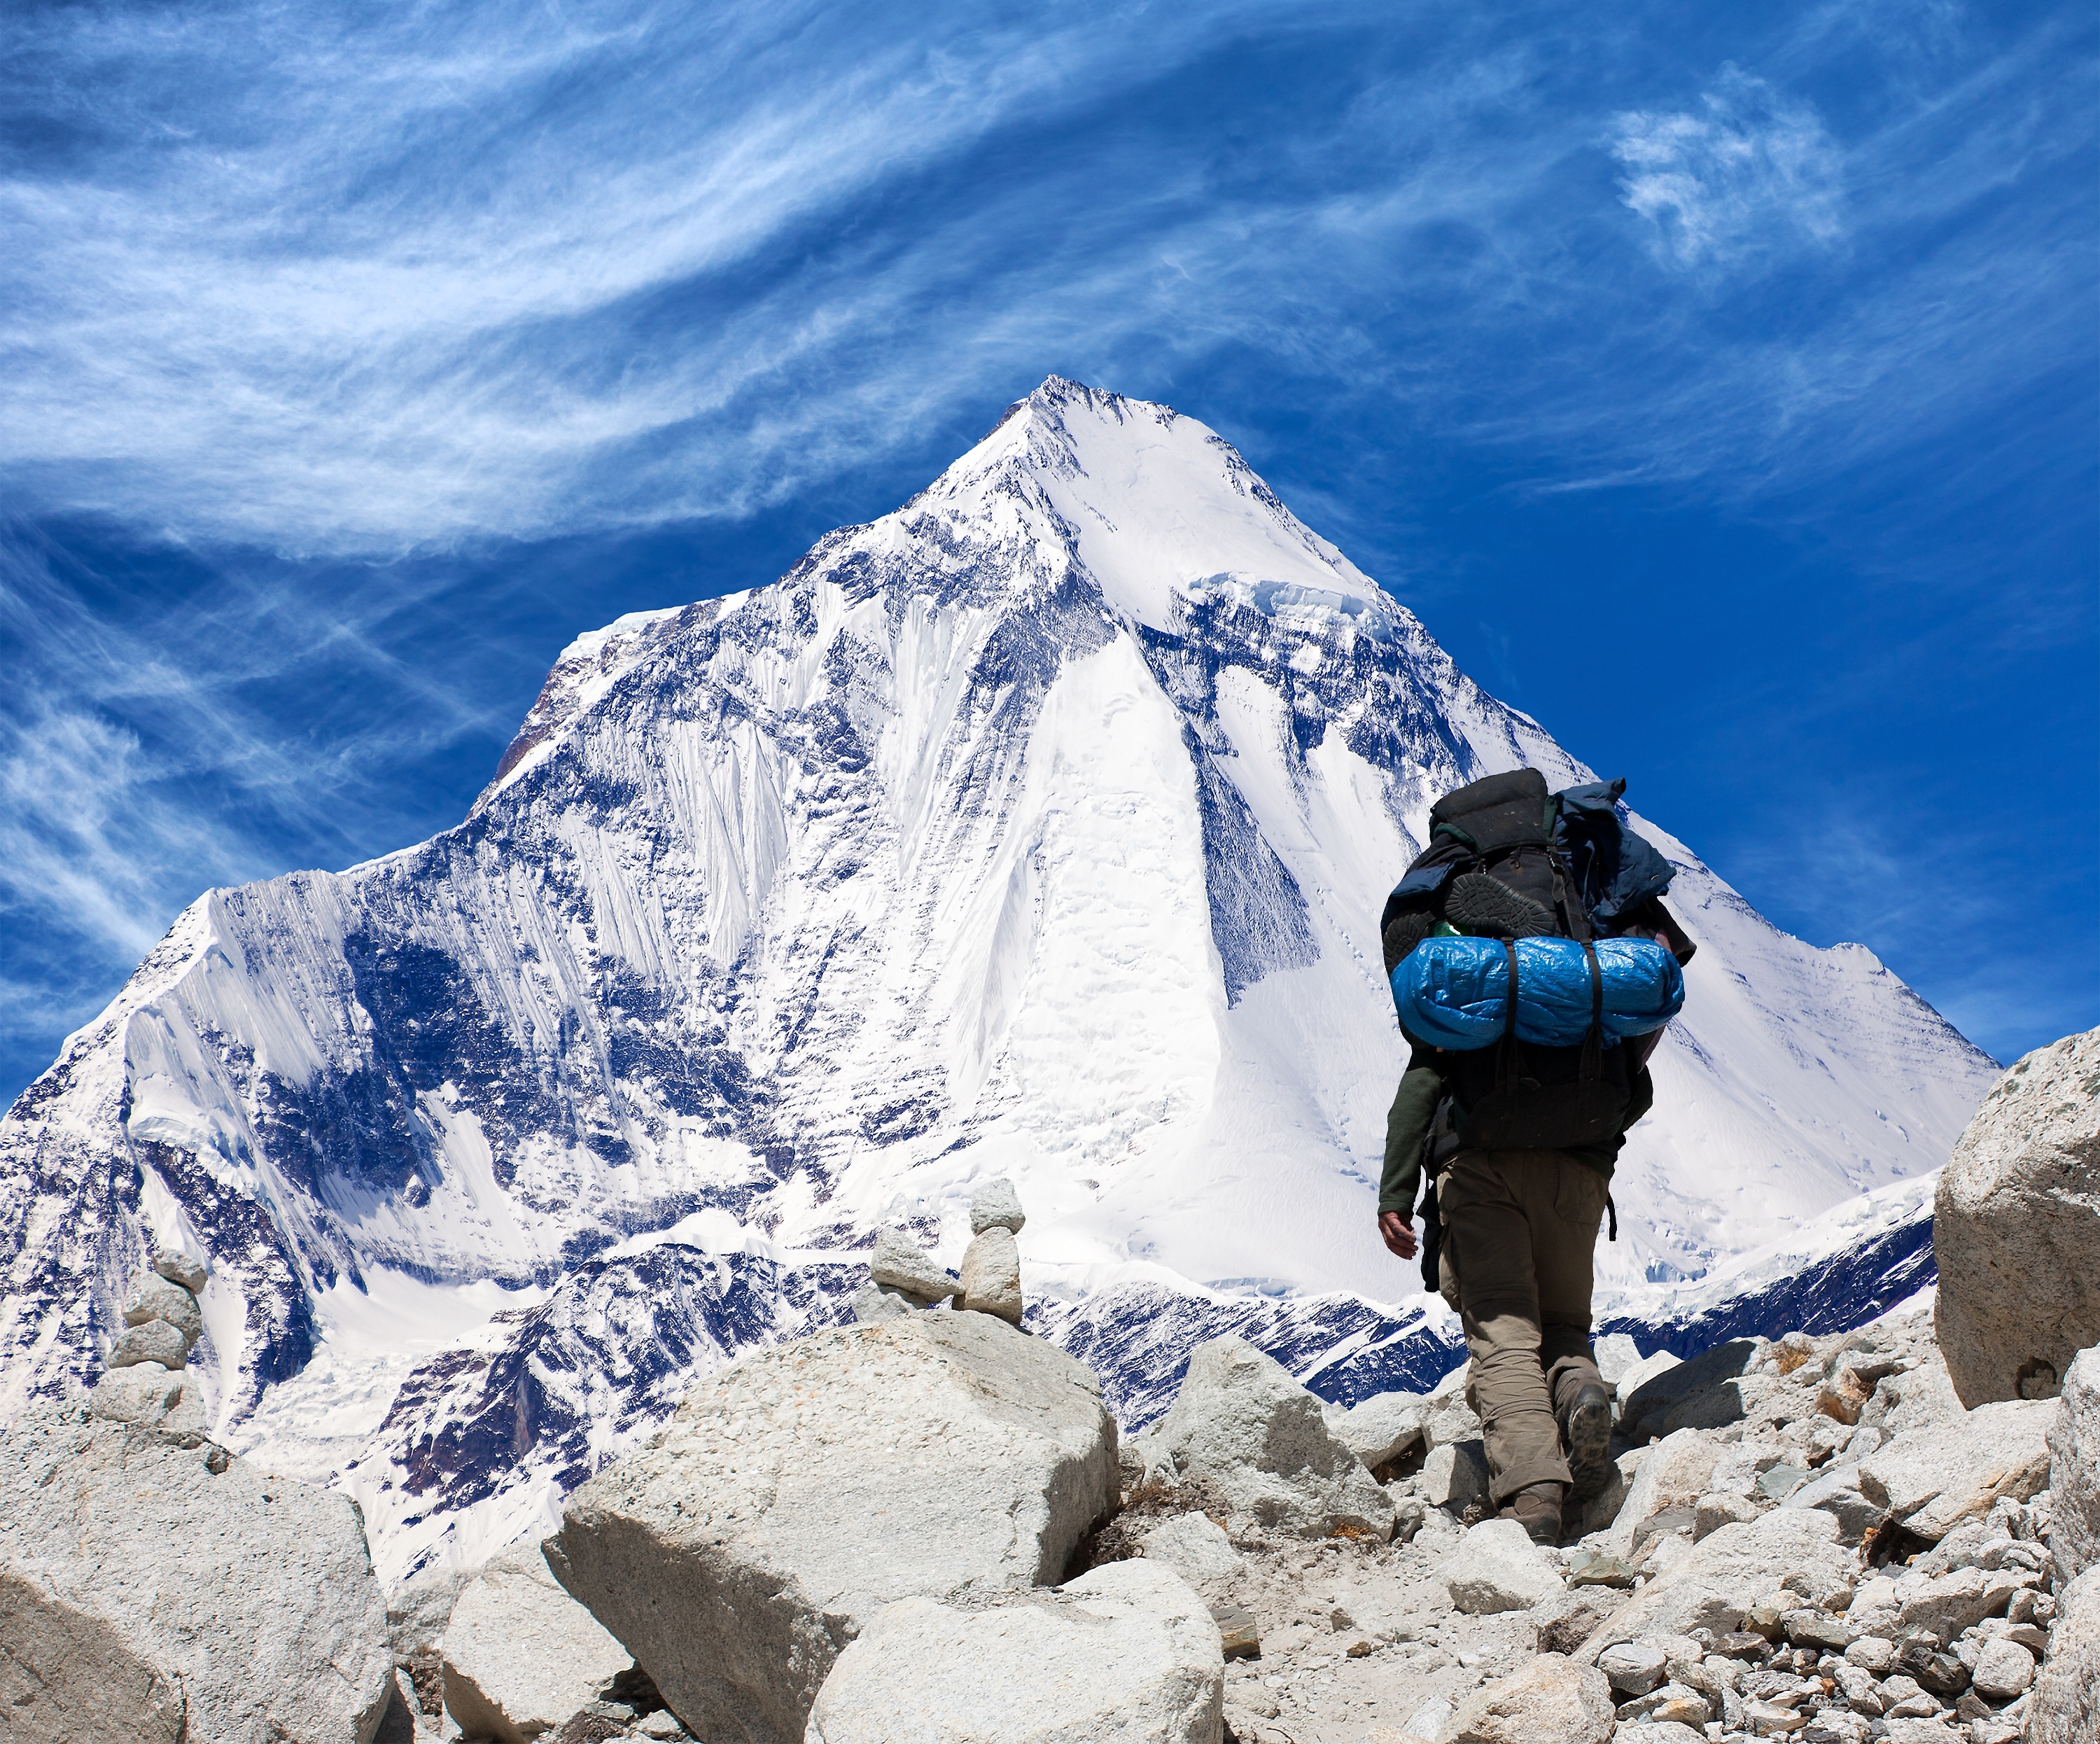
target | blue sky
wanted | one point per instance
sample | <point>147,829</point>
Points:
<point>1718,382</point>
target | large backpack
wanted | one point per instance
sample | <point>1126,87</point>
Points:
<point>1508,859</point>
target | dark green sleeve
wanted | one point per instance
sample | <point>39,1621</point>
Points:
<point>1406,1125</point>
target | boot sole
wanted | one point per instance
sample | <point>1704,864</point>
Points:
<point>1589,1431</point>
<point>1489,906</point>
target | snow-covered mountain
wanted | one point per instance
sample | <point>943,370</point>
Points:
<point>1039,829</point>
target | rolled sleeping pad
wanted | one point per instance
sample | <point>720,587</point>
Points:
<point>1454,992</point>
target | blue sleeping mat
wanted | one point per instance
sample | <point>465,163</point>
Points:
<point>1454,992</point>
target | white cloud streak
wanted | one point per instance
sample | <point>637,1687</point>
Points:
<point>468,269</point>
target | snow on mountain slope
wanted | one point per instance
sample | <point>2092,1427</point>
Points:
<point>1037,828</point>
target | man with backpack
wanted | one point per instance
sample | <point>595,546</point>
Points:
<point>1512,1143</point>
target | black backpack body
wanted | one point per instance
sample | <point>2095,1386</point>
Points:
<point>1507,860</point>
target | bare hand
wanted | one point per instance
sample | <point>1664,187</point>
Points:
<point>1398,1233</point>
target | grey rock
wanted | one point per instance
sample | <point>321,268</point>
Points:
<point>145,1393</point>
<point>1128,1651</point>
<point>1450,1422</point>
<point>1946,1606</point>
<point>140,1593</point>
<point>1808,1627</point>
<point>2074,1468</point>
<point>154,1341</point>
<point>1836,1490</point>
<point>1676,1389</point>
<point>901,1263</point>
<point>153,1297</point>
<point>1455,1476</point>
<point>1673,1475</point>
<point>996,1206</point>
<point>1935,1478</point>
<point>873,1302</point>
<point>1431,1719</point>
<point>183,1268</point>
<point>1498,1568</point>
<point>1562,1621</point>
<point>1615,1354</point>
<point>1550,1697</point>
<point>991,1275</point>
<point>797,1493</point>
<point>1258,1439</point>
<point>1917,1398</point>
<point>662,1725</point>
<point>1195,1547</point>
<point>1715,1584</point>
<point>397,1725</point>
<point>1780,1481</point>
<point>1632,1380</point>
<point>1873,1654</point>
<point>1721,1508</point>
<point>1382,1428</point>
<point>2014,1229</point>
<point>2064,1704</point>
<point>521,1656</point>
<point>2004,1670</point>
<point>1861,1442</point>
<point>1634,1667</point>
<point>418,1609</point>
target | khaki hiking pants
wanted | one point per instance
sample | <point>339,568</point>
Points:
<point>1519,1235</point>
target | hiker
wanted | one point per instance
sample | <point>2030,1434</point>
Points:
<point>1512,1142</point>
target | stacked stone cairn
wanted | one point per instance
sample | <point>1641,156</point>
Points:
<point>147,1380</point>
<point>902,1278</point>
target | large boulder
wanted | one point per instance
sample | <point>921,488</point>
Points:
<point>1935,1478</point>
<point>1666,1490</point>
<point>1715,1583</point>
<point>1498,1568</point>
<point>2064,1706</point>
<point>2016,1228</point>
<point>520,1656</point>
<point>797,1493</point>
<point>2074,1468</point>
<point>1705,1392</point>
<point>1259,1440</point>
<point>150,1582</point>
<point>1550,1698</point>
<point>1126,1652</point>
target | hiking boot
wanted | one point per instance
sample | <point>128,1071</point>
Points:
<point>1586,1427</point>
<point>1537,1508</point>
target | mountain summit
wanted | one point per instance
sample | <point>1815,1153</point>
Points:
<point>1037,829</point>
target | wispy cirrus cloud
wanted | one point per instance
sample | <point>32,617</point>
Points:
<point>364,281</point>
<point>145,754</point>
<point>1747,173</point>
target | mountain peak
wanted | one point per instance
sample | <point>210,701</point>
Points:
<point>1160,510</point>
